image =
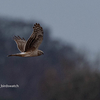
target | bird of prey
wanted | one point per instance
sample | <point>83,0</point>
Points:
<point>29,48</point>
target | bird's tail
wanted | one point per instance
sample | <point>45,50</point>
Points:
<point>18,54</point>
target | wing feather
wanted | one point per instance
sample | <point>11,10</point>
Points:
<point>21,42</point>
<point>35,39</point>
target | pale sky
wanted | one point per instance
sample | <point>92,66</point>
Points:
<point>73,21</point>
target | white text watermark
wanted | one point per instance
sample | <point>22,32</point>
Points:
<point>9,86</point>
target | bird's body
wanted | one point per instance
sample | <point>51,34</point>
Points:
<point>29,48</point>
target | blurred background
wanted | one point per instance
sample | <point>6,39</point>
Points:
<point>70,66</point>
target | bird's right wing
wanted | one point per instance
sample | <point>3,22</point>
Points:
<point>21,42</point>
<point>35,39</point>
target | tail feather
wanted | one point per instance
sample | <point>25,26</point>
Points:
<point>12,55</point>
<point>18,54</point>
<point>9,55</point>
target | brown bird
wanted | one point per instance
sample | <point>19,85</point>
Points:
<point>29,48</point>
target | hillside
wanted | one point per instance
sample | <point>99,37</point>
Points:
<point>36,75</point>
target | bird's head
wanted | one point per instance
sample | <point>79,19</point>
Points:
<point>40,52</point>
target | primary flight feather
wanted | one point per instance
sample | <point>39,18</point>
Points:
<point>29,48</point>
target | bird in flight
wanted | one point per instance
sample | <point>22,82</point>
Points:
<point>29,48</point>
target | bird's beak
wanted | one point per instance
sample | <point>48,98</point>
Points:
<point>43,53</point>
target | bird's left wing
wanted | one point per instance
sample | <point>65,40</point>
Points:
<point>21,42</point>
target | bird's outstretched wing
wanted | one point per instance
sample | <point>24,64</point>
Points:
<point>35,39</point>
<point>21,42</point>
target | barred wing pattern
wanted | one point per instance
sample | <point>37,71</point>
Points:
<point>21,42</point>
<point>35,39</point>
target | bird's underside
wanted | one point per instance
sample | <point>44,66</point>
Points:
<point>29,48</point>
